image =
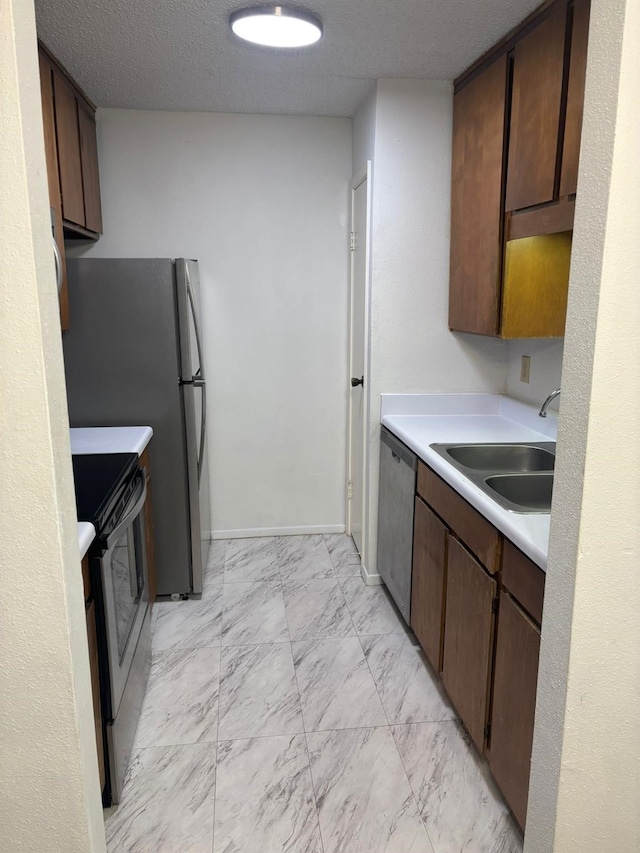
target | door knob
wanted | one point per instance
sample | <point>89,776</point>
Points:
<point>355,382</point>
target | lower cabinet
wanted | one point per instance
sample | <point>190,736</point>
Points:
<point>468,638</point>
<point>429,582</point>
<point>476,608</point>
<point>515,680</point>
<point>92,638</point>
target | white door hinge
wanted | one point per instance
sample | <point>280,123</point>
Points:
<point>352,241</point>
<point>349,490</point>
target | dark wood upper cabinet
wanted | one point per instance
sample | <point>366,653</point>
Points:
<point>69,162</point>
<point>536,113</point>
<point>89,164</point>
<point>517,119</point>
<point>476,201</point>
<point>575,97</point>
<point>428,583</point>
<point>72,163</point>
<point>514,703</point>
<point>468,638</point>
<point>73,173</point>
<point>55,200</point>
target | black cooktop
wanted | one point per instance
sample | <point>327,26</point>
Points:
<point>100,479</point>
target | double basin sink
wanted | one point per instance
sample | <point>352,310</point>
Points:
<point>519,476</point>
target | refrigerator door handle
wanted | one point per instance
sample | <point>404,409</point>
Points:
<point>198,379</point>
<point>203,424</point>
<point>196,325</point>
<point>58,261</point>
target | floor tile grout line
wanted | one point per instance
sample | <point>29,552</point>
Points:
<point>411,788</point>
<point>215,772</point>
<point>306,740</point>
<point>313,789</point>
<point>375,683</point>
<point>304,732</point>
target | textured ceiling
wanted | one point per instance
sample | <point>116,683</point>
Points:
<point>181,54</point>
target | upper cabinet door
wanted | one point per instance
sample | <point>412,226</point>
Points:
<point>90,175</point>
<point>575,97</point>
<point>536,113</point>
<point>68,135</point>
<point>476,189</point>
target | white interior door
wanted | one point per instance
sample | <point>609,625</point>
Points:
<point>358,388</point>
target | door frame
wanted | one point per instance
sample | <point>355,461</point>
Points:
<point>359,178</point>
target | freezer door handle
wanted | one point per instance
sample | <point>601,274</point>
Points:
<point>196,325</point>
<point>200,383</point>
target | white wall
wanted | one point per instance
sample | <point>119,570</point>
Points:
<point>546,369</point>
<point>262,202</point>
<point>49,788</point>
<point>411,347</point>
<point>585,784</point>
<point>364,132</point>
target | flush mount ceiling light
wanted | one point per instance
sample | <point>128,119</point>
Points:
<point>276,26</point>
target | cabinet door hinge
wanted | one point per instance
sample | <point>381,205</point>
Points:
<point>487,732</point>
<point>349,490</point>
<point>352,241</point>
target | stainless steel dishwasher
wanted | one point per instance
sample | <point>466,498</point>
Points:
<point>398,466</point>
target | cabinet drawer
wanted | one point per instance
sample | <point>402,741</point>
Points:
<point>478,535</point>
<point>524,580</point>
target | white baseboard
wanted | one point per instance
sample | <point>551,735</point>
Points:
<point>251,532</point>
<point>370,579</point>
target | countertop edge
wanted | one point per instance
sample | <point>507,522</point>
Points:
<point>511,525</point>
<point>86,535</point>
<point>129,439</point>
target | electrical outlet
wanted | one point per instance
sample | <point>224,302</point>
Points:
<point>525,369</point>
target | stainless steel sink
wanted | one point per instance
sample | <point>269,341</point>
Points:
<point>503,457</point>
<point>518,475</point>
<point>518,491</point>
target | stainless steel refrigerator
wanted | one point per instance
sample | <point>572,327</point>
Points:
<point>133,356</point>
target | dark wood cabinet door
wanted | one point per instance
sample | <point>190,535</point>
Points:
<point>90,175</point>
<point>92,637</point>
<point>476,199</point>
<point>428,582</point>
<point>69,162</point>
<point>514,704</point>
<point>575,97</point>
<point>468,638</point>
<point>536,103</point>
<point>55,201</point>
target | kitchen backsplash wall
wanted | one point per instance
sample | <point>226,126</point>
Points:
<point>546,369</point>
<point>262,202</point>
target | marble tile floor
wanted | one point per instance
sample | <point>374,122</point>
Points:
<point>290,710</point>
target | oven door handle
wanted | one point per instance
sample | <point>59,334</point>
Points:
<point>132,510</point>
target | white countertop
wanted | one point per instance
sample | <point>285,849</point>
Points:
<point>86,535</point>
<point>105,440</point>
<point>423,419</point>
<point>110,439</point>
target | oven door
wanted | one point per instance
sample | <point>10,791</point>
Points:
<point>126,590</point>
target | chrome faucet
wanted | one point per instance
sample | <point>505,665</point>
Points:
<point>543,408</point>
